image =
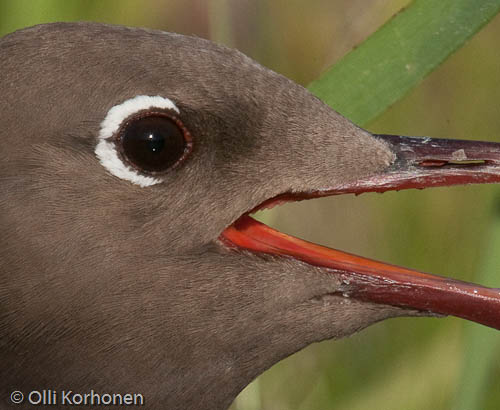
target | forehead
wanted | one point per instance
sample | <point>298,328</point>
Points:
<point>84,56</point>
<point>66,73</point>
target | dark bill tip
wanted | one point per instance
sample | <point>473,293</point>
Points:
<point>431,162</point>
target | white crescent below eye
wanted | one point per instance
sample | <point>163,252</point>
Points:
<point>106,149</point>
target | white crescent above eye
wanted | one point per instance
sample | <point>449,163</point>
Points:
<point>106,149</point>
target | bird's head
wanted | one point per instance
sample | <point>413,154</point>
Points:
<point>128,260</point>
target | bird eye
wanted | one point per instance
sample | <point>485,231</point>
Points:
<point>154,142</point>
<point>142,137</point>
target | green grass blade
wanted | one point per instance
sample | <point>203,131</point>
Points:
<point>399,55</point>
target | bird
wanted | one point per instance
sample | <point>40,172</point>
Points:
<point>132,161</point>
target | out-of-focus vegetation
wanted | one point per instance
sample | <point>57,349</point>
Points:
<point>399,55</point>
<point>401,363</point>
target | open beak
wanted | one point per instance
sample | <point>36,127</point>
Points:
<point>419,163</point>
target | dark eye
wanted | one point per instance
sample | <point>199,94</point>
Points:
<point>154,142</point>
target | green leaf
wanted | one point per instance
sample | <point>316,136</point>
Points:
<point>399,55</point>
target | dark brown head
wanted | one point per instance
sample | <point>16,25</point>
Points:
<point>130,161</point>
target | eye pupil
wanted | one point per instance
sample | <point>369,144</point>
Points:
<point>156,142</point>
<point>153,143</point>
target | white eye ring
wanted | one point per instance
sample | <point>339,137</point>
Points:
<point>106,149</point>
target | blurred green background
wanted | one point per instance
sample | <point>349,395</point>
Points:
<point>400,363</point>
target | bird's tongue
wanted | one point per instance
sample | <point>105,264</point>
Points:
<point>419,163</point>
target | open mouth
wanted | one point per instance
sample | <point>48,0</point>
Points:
<point>419,163</point>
